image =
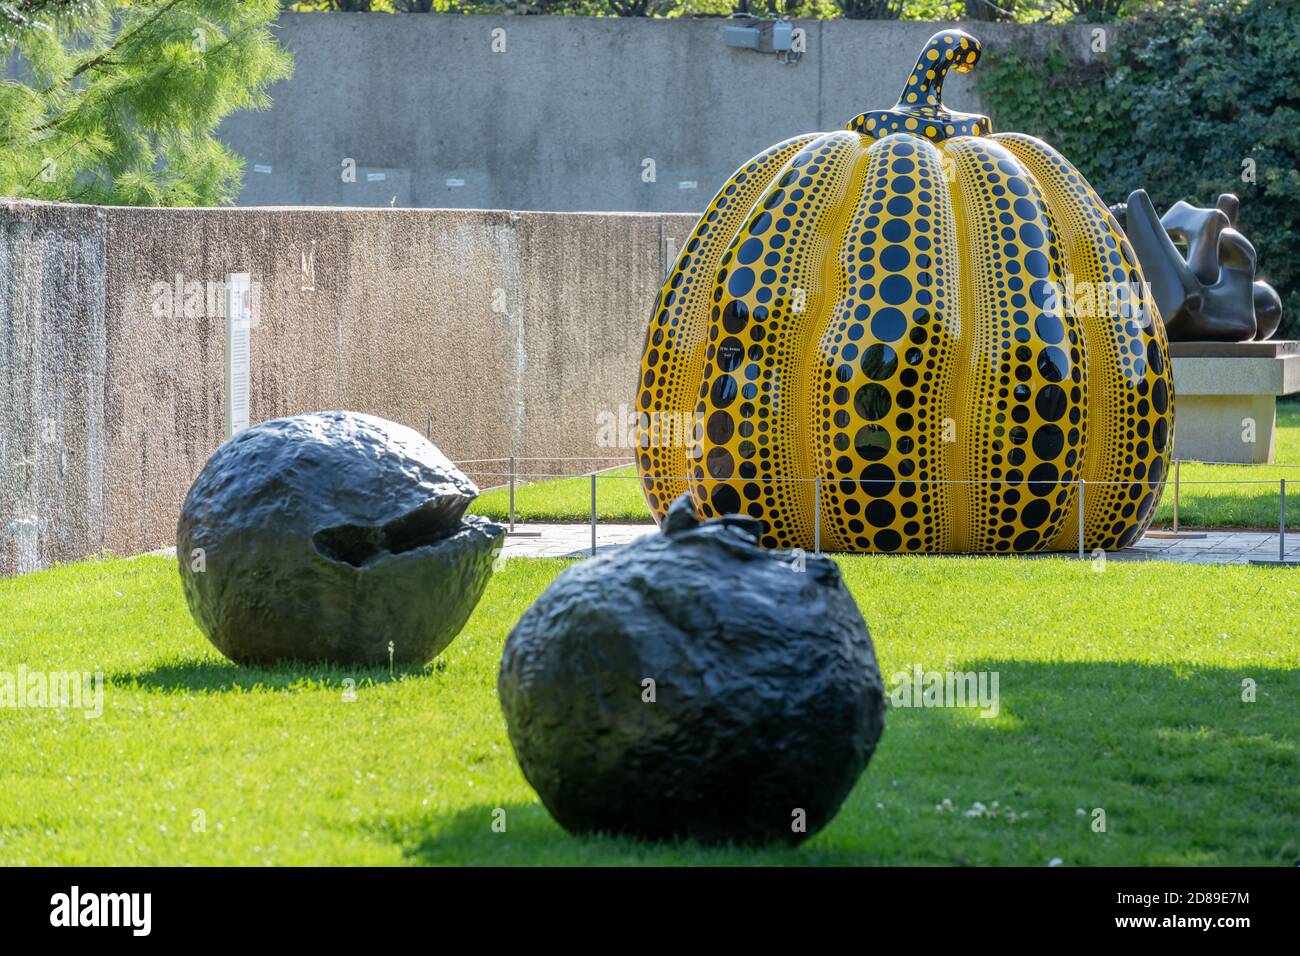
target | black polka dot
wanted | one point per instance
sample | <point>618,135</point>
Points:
<point>1048,441</point>
<point>1026,540</point>
<point>725,500</point>
<point>1160,396</point>
<point>720,427</point>
<point>741,281</point>
<point>1053,364</point>
<point>1035,513</point>
<point>1042,480</point>
<point>871,442</point>
<point>730,353</point>
<point>880,513</point>
<point>872,402</point>
<point>879,362</point>
<point>887,540</point>
<point>724,391</point>
<point>1050,328</point>
<point>895,290</point>
<point>877,480</point>
<point>719,463</point>
<point>1160,435</point>
<point>1154,359</point>
<point>1051,402</point>
<point>734,316</point>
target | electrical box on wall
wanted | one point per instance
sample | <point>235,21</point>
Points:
<point>744,32</point>
<point>742,36</point>
<point>782,35</point>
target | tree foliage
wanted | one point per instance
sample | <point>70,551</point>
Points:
<point>1010,10</point>
<point>1192,101</point>
<point>117,101</point>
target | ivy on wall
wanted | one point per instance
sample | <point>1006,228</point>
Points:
<point>1191,101</point>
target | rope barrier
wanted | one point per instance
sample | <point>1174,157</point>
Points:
<point>514,476</point>
<point>471,461</point>
<point>878,481</point>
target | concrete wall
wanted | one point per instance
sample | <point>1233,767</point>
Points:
<point>53,371</point>
<point>112,397</point>
<point>566,116</point>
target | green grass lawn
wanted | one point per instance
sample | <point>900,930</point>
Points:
<point>618,498</point>
<point>1233,496</point>
<point>1120,690</point>
<point>1241,496</point>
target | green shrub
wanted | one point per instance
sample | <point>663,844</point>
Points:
<point>1184,103</point>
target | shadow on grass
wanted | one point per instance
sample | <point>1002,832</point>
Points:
<point>216,676</point>
<point>532,838</point>
<point>1186,770</point>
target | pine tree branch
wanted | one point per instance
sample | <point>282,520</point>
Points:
<point>22,13</point>
<point>56,123</point>
<point>94,61</point>
<point>71,146</point>
<point>99,103</point>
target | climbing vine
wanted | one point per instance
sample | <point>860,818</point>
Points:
<point>1188,102</point>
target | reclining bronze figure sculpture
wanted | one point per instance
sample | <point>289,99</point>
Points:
<point>1212,295</point>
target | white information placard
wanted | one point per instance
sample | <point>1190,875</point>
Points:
<point>239,326</point>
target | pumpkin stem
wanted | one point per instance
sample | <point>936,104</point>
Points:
<point>920,108</point>
<point>946,50</point>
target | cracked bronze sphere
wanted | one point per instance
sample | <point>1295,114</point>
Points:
<point>328,537</point>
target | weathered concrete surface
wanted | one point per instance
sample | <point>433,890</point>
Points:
<point>52,377</point>
<point>1227,397</point>
<point>565,115</point>
<point>499,333</point>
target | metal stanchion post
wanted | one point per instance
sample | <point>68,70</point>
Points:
<point>1178,469</point>
<point>817,515</point>
<point>1176,531</point>
<point>593,514</point>
<point>1082,485</point>
<point>1281,531</point>
<point>514,480</point>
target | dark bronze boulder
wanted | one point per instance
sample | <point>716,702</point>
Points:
<point>694,685</point>
<point>326,537</point>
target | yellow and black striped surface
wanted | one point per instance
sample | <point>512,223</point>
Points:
<point>935,337</point>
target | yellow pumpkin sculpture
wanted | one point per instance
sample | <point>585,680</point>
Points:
<point>934,331</point>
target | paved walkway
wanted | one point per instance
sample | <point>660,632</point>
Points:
<point>570,540</point>
<point>1216,547</point>
<point>1221,547</point>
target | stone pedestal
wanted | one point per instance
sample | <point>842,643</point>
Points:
<point>1225,398</point>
